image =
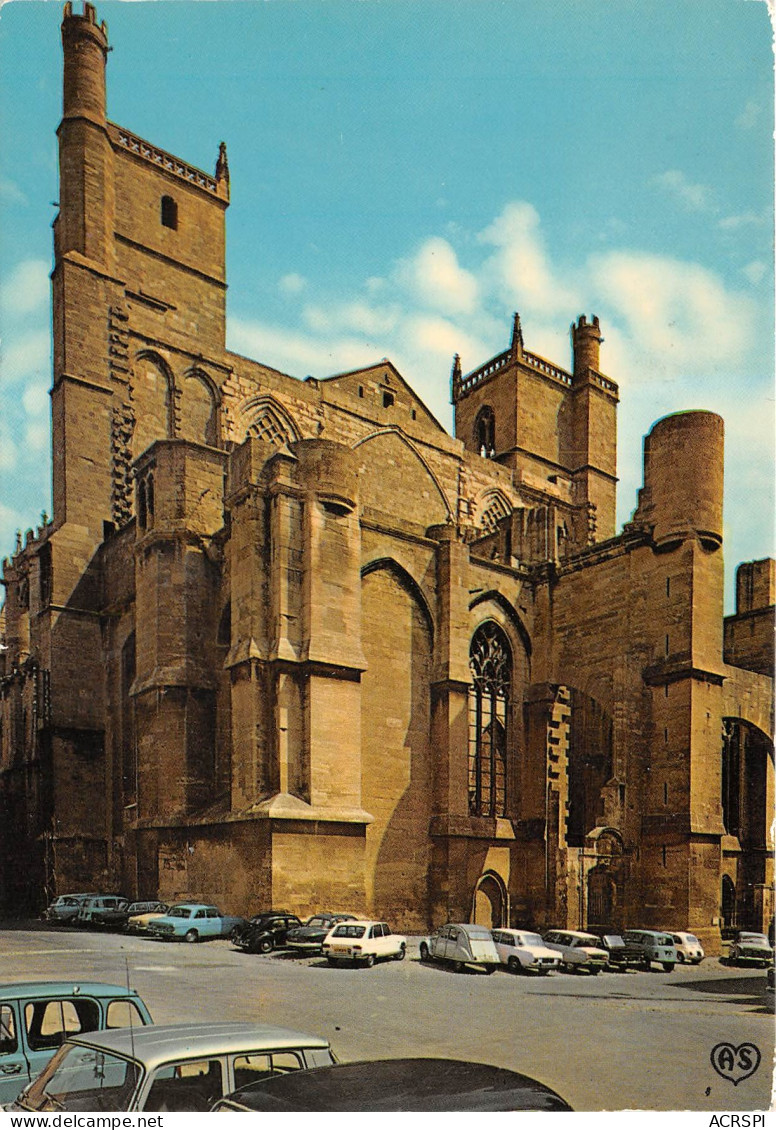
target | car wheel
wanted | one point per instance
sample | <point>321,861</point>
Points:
<point>594,972</point>
<point>265,945</point>
<point>490,968</point>
<point>424,954</point>
<point>457,967</point>
<point>513,965</point>
<point>234,935</point>
<point>668,966</point>
<point>331,960</point>
<point>192,936</point>
<point>400,955</point>
<point>369,960</point>
<point>646,965</point>
<point>680,957</point>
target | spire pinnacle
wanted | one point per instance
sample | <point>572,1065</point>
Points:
<point>455,377</point>
<point>516,345</point>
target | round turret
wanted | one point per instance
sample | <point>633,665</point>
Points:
<point>586,341</point>
<point>330,470</point>
<point>683,473</point>
<point>85,45</point>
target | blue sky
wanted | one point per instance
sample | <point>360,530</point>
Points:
<point>407,173</point>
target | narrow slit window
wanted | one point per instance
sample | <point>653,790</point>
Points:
<point>169,213</point>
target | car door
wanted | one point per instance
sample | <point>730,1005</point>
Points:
<point>214,920</point>
<point>186,1085</point>
<point>47,1023</point>
<point>14,1068</point>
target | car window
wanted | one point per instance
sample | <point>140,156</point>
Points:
<point>201,914</point>
<point>317,921</point>
<point>8,1040</point>
<point>180,912</point>
<point>49,1023</point>
<point>349,931</point>
<point>211,912</point>
<point>83,1079</point>
<point>187,1086</point>
<point>251,1068</point>
<point>123,1014</point>
<point>478,933</point>
<point>376,932</point>
<point>387,931</point>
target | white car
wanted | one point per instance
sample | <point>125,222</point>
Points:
<point>578,951</point>
<point>688,948</point>
<point>363,941</point>
<point>520,950</point>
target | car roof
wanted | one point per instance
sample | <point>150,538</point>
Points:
<point>15,990</point>
<point>401,1084</point>
<point>157,1044</point>
<point>363,922</point>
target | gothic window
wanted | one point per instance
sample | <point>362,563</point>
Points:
<point>268,426</point>
<point>169,213</point>
<point>731,776</point>
<point>142,509</point>
<point>496,509</point>
<point>485,432</point>
<point>490,662</point>
<point>45,575</point>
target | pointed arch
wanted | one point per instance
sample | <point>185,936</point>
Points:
<point>393,430</point>
<point>267,419</point>
<point>406,580</point>
<point>152,389</point>
<point>490,508</point>
<point>509,611</point>
<point>200,404</point>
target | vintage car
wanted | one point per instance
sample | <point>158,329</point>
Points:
<point>102,910</point>
<point>363,942</point>
<point>398,1085</point>
<point>36,1016</point>
<point>655,945</point>
<point>621,956</point>
<point>64,909</point>
<point>310,937</point>
<point>524,952</point>
<point>749,948</point>
<point>461,944</point>
<point>193,921</point>
<point>264,932</point>
<point>139,914</point>
<point>578,951</point>
<point>176,1067</point>
<point>688,948</point>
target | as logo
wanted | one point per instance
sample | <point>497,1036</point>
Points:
<point>734,1063</point>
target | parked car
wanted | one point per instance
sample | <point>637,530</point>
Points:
<point>522,951</point>
<point>655,945</point>
<point>578,951</point>
<point>264,932</point>
<point>398,1085</point>
<point>363,941</point>
<point>63,910</point>
<point>688,948</point>
<point>193,921</point>
<point>749,948</point>
<point>36,1016</point>
<point>621,956</point>
<point>139,914</point>
<point>461,944</point>
<point>310,937</point>
<point>176,1067</point>
<point>102,910</point>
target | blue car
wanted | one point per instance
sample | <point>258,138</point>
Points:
<point>37,1017</point>
<point>193,921</point>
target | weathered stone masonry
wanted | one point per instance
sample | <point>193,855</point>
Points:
<point>288,643</point>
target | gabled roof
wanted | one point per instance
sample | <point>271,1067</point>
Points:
<point>383,374</point>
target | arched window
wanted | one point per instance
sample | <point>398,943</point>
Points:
<point>490,662</point>
<point>485,432</point>
<point>169,213</point>
<point>142,510</point>
<point>150,499</point>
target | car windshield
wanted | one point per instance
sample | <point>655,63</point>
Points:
<point>586,940</point>
<point>316,920</point>
<point>693,941</point>
<point>759,938</point>
<point>664,940</point>
<point>613,940</point>
<point>79,1078</point>
<point>181,912</point>
<point>349,931</point>
<point>529,940</point>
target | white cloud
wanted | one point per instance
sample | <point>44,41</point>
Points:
<point>755,271</point>
<point>37,435</point>
<point>435,277</point>
<point>520,268</point>
<point>292,284</point>
<point>36,400</point>
<point>26,288</point>
<point>749,116</point>
<point>350,316</point>
<point>27,355</point>
<point>694,197</point>
<point>744,219</point>
<point>11,192</point>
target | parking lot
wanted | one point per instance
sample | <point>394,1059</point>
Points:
<point>616,1041</point>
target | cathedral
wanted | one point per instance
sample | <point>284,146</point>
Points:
<point>288,644</point>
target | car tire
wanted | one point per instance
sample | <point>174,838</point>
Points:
<point>401,954</point>
<point>594,972</point>
<point>680,957</point>
<point>331,960</point>
<point>457,966</point>
<point>265,945</point>
<point>192,936</point>
<point>234,934</point>
<point>514,966</point>
<point>490,969</point>
<point>424,954</point>
<point>668,966</point>
<point>369,960</point>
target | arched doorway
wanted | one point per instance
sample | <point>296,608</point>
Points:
<point>490,901</point>
<point>728,902</point>
<point>601,899</point>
